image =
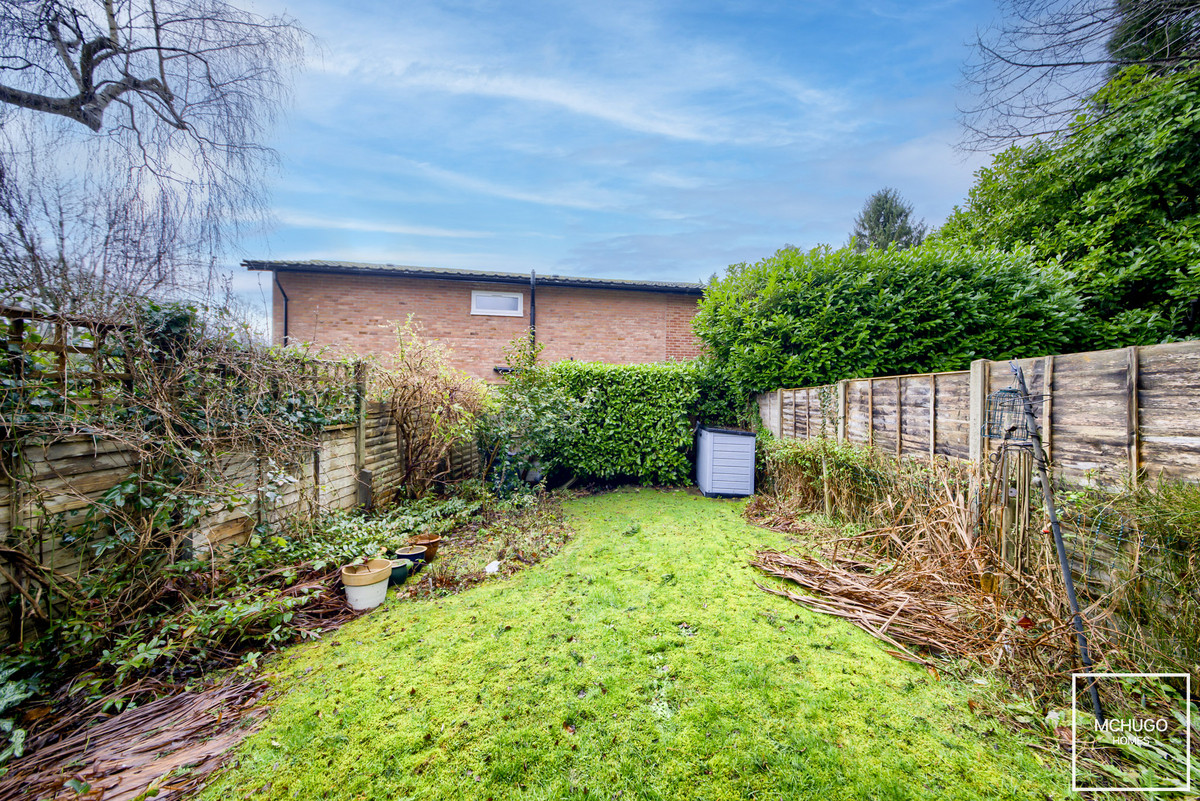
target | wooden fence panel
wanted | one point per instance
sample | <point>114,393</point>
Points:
<point>1169,408</point>
<point>788,417</point>
<point>884,414</point>
<point>769,411</point>
<point>1108,417</point>
<point>802,416</point>
<point>813,424</point>
<point>952,417</point>
<point>1089,411</point>
<point>58,482</point>
<point>858,411</point>
<point>915,398</point>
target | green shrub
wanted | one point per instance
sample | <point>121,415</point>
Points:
<point>211,615</point>
<point>341,536</point>
<point>805,318</point>
<point>528,427</point>
<point>719,402</point>
<point>1113,201</point>
<point>1169,511</point>
<point>1148,540</point>
<point>13,691</point>
<point>637,422</point>
<point>799,472</point>
<point>601,421</point>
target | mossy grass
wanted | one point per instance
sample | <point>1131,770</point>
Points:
<point>639,663</point>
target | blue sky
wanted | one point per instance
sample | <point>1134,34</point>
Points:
<point>659,140</point>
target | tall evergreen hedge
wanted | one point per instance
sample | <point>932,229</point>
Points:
<point>637,420</point>
<point>804,318</point>
<point>1114,203</point>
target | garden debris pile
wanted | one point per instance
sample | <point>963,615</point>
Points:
<point>511,538</point>
<point>326,609</point>
<point>924,575</point>
<point>936,556</point>
<point>925,607</point>
<point>165,749</point>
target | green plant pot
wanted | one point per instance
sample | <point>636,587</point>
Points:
<point>400,570</point>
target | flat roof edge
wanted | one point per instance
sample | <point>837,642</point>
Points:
<point>396,271</point>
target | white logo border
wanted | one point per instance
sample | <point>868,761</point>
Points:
<point>1187,677</point>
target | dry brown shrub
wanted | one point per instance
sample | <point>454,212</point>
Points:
<point>935,532</point>
<point>433,405</point>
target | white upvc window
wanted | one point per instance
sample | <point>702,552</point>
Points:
<point>497,304</point>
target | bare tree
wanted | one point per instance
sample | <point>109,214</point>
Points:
<point>131,138</point>
<point>1033,71</point>
<point>84,245</point>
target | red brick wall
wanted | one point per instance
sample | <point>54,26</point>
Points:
<point>350,314</point>
<point>681,342</point>
<point>614,326</point>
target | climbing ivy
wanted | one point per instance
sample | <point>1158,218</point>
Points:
<point>172,398</point>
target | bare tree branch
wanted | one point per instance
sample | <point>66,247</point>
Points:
<point>197,84</point>
<point>1032,72</point>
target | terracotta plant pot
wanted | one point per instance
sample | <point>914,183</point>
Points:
<point>431,544</point>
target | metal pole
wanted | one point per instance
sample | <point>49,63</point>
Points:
<point>275,274</point>
<point>1039,457</point>
<point>533,306</point>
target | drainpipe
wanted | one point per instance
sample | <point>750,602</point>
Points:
<point>285,306</point>
<point>533,306</point>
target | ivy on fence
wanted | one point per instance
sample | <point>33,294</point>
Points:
<point>170,396</point>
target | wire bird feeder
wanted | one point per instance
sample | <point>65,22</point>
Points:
<point>1006,417</point>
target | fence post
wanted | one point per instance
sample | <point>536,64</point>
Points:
<point>1133,420</point>
<point>1047,412</point>
<point>870,412</point>
<point>899,417</point>
<point>779,414</point>
<point>843,408</point>
<point>360,422</point>
<point>977,385</point>
<point>807,414</point>
<point>932,416</point>
<point>16,491</point>
<point>978,392</point>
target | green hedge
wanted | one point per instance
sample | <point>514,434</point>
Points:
<point>637,420</point>
<point>1113,202</point>
<point>801,318</point>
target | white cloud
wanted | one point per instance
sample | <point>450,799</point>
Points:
<point>674,180</point>
<point>576,195</point>
<point>619,107</point>
<point>634,72</point>
<point>451,259</point>
<point>301,220</point>
<point>639,136</point>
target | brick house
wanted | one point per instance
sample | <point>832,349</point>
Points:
<point>349,307</point>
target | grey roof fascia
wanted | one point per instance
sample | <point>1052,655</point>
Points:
<point>399,271</point>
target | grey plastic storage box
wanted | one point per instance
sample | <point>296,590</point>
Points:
<point>725,462</point>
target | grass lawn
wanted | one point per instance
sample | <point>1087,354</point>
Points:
<point>640,663</point>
